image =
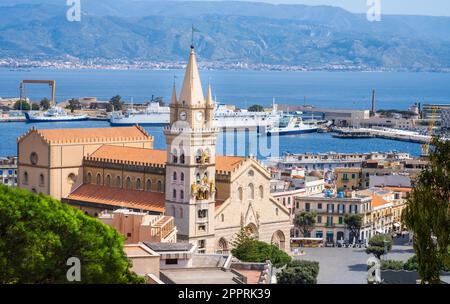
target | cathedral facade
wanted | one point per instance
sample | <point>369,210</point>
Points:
<point>211,197</point>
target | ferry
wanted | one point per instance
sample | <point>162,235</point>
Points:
<point>153,115</point>
<point>291,125</point>
<point>224,117</point>
<point>53,114</point>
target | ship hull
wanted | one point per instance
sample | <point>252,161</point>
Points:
<point>53,119</point>
<point>291,132</point>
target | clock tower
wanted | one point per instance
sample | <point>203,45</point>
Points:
<point>191,154</point>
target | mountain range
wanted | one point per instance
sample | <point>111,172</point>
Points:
<point>230,32</point>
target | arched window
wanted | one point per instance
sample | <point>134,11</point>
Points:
<point>182,177</point>
<point>159,187</point>
<point>128,183</point>
<point>251,191</point>
<point>108,180</point>
<point>88,177</point>
<point>181,194</point>
<point>222,217</point>
<point>182,158</point>
<point>138,184</point>
<point>241,193</point>
<point>71,178</point>
<point>118,182</point>
<point>174,194</point>
<point>175,176</point>
<point>197,178</point>
<point>99,179</point>
<point>276,211</point>
<point>41,180</point>
<point>148,187</point>
<point>175,156</point>
<point>181,212</point>
<point>174,211</point>
<point>261,191</point>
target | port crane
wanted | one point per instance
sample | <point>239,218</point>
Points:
<point>51,83</point>
<point>426,146</point>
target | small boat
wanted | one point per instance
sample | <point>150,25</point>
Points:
<point>291,125</point>
<point>153,115</point>
<point>54,114</point>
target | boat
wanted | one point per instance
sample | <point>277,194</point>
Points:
<point>224,117</point>
<point>153,115</point>
<point>291,125</point>
<point>53,114</point>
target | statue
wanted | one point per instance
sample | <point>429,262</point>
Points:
<point>205,180</point>
<point>204,157</point>
<point>194,190</point>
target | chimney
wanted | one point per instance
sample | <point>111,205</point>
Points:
<point>373,104</point>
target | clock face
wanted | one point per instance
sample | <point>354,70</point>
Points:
<point>183,116</point>
<point>199,116</point>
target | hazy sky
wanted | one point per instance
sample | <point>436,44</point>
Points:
<point>410,7</point>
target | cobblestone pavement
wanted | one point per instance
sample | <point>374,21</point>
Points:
<point>348,265</point>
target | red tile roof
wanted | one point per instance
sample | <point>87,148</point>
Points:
<point>127,154</point>
<point>118,197</point>
<point>228,163</point>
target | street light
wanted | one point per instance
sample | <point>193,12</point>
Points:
<point>385,242</point>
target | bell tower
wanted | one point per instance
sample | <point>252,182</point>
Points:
<point>191,154</point>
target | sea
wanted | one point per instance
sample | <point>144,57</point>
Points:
<point>340,90</point>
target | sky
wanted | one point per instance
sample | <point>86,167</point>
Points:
<point>402,7</point>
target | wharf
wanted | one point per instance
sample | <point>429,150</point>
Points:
<point>386,133</point>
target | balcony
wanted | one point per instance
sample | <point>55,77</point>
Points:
<point>330,225</point>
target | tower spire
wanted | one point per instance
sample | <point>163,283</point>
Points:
<point>191,92</point>
<point>209,99</point>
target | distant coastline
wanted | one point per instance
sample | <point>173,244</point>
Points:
<point>123,64</point>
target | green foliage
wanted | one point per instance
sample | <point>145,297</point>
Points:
<point>45,104</point>
<point>305,222</point>
<point>354,223</point>
<point>392,265</point>
<point>427,213</point>
<point>22,105</point>
<point>411,264</point>
<point>377,245</point>
<point>299,272</point>
<point>39,234</point>
<point>256,108</point>
<point>247,249</point>
<point>116,103</point>
<point>74,104</point>
<point>35,107</point>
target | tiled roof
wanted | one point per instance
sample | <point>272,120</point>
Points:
<point>228,163</point>
<point>92,134</point>
<point>128,154</point>
<point>118,197</point>
<point>399,189</point>
<point>151,156</point>
<point>378,201</point>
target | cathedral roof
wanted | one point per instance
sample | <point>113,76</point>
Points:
<point>192,92</point>
<point>119,197</point>
<point>130,154</point>
<point>91,135</point>
<point>144,156</point>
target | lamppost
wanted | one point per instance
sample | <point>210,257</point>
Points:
<point>385,242</point>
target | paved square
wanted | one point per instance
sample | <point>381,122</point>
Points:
<point>348,265</point>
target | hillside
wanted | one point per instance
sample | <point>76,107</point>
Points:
<point>231,32</point>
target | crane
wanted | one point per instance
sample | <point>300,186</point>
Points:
<point>426,146</point>
<point>51,83</point>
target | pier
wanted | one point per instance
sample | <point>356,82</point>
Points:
<point>386,133</point>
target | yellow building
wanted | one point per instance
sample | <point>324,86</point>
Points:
<point>210,197</point>
<point>348,178</point>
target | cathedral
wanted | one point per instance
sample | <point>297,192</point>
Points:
<point>211,197</point>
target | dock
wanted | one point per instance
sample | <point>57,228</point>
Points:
<point>386,133</point>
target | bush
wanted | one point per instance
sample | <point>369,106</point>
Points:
<point>377,243</point>
<point>411,264</point>
<point>299,272</point>
<point>259,252</point>
<point>39,234</point>
<point>392,265</point>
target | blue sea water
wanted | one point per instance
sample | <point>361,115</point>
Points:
<point>242,88</point>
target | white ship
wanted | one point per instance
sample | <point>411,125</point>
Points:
<point>153,115</point>
<point>291,125</point>
<point>54,114</point>
<point>156,115</point>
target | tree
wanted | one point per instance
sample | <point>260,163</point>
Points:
<point>305,222</point>
<point>427,213</point>
<point>354,223</point>
<point>22,105</point>
<point>378,244</point>
<point>45,104</point>
<point>116,102</point>
<point>35,107</point>
<point>38,235</point>
<point>247,249</point>
<point>299,272</point>
<point>256,108</point>
<point>74,104</point>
